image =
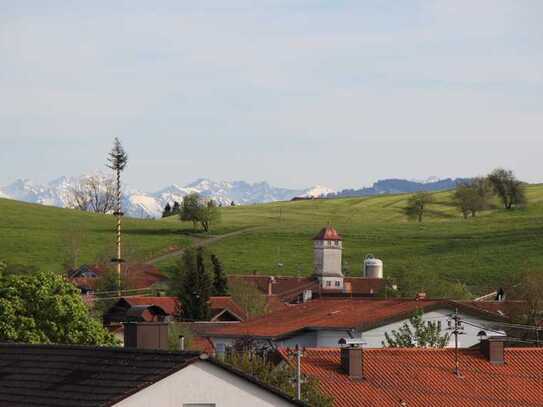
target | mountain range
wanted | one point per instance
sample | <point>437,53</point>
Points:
<point>150,205</point>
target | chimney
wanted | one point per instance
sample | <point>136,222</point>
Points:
<point>352,360</point>
<point>493,348</point>
<point>146,335</point>
<point>420,296</point>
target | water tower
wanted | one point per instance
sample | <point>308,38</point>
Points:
<point>327,249</point>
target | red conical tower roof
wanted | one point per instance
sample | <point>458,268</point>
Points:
<point>328,233</point>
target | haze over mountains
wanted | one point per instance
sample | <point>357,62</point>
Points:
<point>150,205</point>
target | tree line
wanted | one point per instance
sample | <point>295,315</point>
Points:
<point>473,196</point>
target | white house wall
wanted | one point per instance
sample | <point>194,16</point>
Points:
<point>203,383</point>
<point>375,337</point>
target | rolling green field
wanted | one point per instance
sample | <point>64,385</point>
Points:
<point>446,255</point>
<point>44,236</point>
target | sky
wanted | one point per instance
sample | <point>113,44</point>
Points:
<point>293,92</point>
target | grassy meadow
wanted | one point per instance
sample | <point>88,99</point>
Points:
<point>446,254</point>
<point>44,236</point>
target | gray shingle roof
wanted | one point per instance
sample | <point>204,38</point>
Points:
<point>86,376</point>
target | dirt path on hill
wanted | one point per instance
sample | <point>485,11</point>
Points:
<point>199,242</point>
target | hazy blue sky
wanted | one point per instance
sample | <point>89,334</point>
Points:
<point>294,92</point>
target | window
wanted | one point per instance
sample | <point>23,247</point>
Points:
<point>328,284</point>
<point>337,284</point>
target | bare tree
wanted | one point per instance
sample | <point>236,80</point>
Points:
<point>71,247</point>
<point>93,194</point>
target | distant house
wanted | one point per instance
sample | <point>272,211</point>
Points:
<point>488,375</point>
<point>86,376</point>
<point>323,322</point>
<point>164,309</point>
<point>137,276</point>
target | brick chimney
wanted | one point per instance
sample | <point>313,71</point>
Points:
<point>146,335</point>
<point>352,360</point>
<point>493,348</point>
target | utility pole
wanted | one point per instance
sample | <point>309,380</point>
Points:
<point>455,325</point>
<point>298,353</point>
<point>117,162</point>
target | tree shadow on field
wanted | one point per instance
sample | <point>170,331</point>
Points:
<point>440,214</point>
<point>160,232</point>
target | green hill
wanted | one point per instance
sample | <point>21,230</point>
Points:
<point>45,236</point>
<point>446,254</point>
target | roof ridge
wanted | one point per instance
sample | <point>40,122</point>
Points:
<point>120,349</point>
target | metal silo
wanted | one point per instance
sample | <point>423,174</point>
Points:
<point>372,268</point>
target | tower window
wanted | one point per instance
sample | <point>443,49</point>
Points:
<point>328,284</point>
<point>337,284</point>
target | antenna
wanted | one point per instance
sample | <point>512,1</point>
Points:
<point>455,325</point>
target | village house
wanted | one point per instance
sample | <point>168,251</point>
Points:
<point>138,277</point>
<point>88,376</point>
<point>321,323</point>
<point>324,308</point>
<point>164,309</point>
<point>488,375</point>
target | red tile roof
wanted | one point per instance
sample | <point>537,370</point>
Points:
<point>170,304</point>
<point>328,233</point>
<point>288,288</point>
<point>138,276</point>
<point>218,304</point>
<point>424,377</point>
<point>335,313</point>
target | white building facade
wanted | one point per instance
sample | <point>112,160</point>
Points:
<point>203,384</point>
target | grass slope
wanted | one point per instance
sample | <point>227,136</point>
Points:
<point>40,235</point>
<point>480,253</point>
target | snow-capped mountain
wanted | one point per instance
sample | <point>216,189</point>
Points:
<point>144,205</point>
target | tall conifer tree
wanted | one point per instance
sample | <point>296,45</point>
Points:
<point>194,286</point>
<point>220,282</point>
